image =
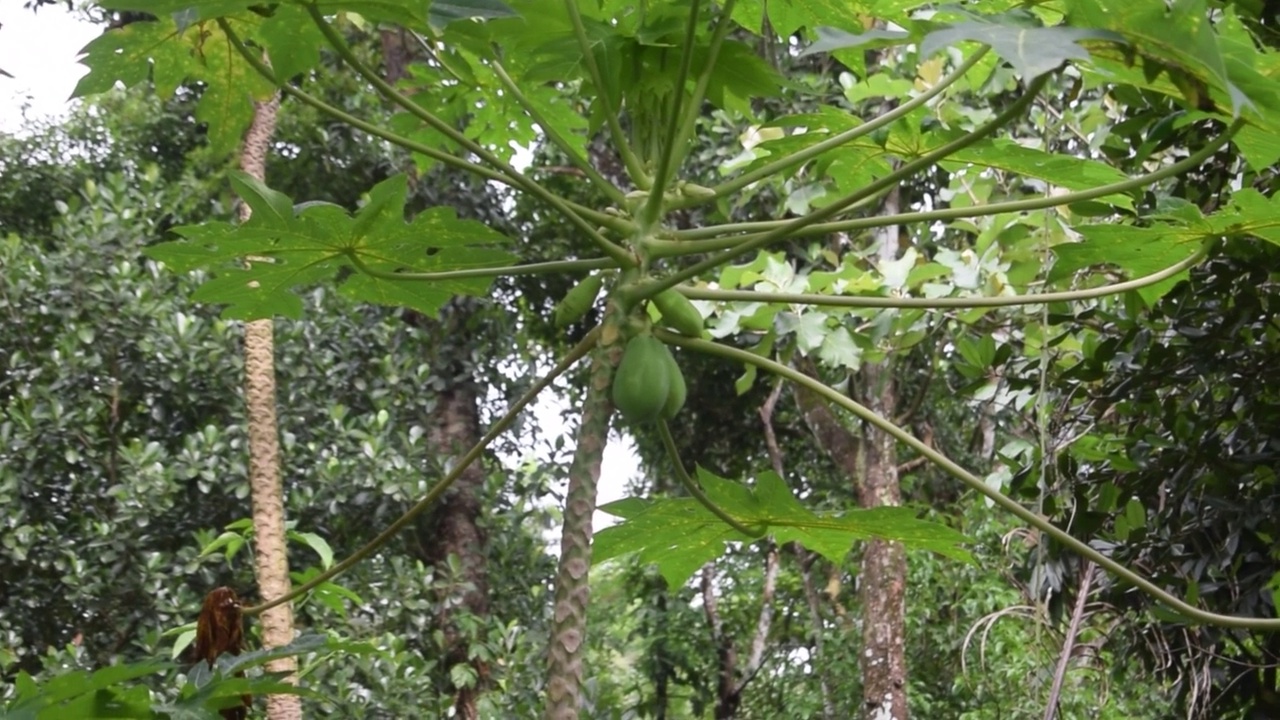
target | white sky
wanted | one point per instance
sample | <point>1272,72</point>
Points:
<point>40,51</point>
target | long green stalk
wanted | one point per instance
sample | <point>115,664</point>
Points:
<point>698,293</point>
<point>554,266</point>
<point>691,486</point>
<point>613,222</point>
<point>667,248</point>
<point>799,157</point>
<point>835,208</point>
<point>611,114</point>
<point>973,482</point>
<point>388,91</point>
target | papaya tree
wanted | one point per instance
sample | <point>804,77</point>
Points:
<point>951,176</point>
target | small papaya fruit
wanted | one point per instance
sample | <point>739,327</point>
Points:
<point>677,391</point>
<point>678,312</point>
<point>642,381</point>
<point>578,300</point>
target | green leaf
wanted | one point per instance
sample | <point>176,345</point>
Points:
<point>317,543</point>
<point>443,12</point>
<point>1033,51</point>
<point>169,55</point>
<point>315,242</point>
<point>1137,250</point>
<point>680,535</point>
<point>1179,39</point>
<point>270,208</point>
<point>831,39</point>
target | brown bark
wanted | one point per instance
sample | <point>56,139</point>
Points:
<point>732,679</point>
<point>267,494</point>
<point>452,529</point>
<point>884,567</point>
<point>869,457</point>
<point>567,649</point>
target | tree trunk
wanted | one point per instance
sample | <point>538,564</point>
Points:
<point>871,460</point>
<point>569,620</point>
<point>267,494</point>
<point>452,529</point>
<point>884,564</point>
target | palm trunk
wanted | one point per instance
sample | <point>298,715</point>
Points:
<point>266,492</point>
<point>569,622</point>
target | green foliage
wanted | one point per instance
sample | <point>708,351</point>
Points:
<point>1108,168</point>
<point>109,692</point>
<point>316,241</point>
<point>681,535</point>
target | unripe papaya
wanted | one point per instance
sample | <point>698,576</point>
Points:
<point>642,382</point>
<point>678,312</point>
<point>677,391</point>
<point>579,300</point>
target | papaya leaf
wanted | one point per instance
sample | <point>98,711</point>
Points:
<point>443,12</point>
<point>1179,38</point>
<point>1137,251</point>
<point>1032,51</point>
<point>832,39</point>
<point>312,243</point>
<point>680,535</point>
<point>168,55</point>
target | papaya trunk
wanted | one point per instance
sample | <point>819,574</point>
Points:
<point>569,622</point>
<point>267,493</point>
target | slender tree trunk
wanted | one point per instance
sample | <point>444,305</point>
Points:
<point>884,564</point>
<point>452,529</point>
<point>267,493</point>
<point>569,620</point>
<point>870,458</point>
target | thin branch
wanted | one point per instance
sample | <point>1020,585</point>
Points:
<point>764,621</point>
<point>1068,642</point>
<point>974,482</point>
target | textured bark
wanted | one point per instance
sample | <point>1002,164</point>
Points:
<point>271,558</point>
<point>884,567</point>
<point>569,621</point>
<point>884,564</point>
<point>870,459</point>
<point>1069,642</point>
<point>452,528</point>
<point>731,678</point>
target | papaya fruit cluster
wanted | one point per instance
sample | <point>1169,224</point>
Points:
<point>648,383</point>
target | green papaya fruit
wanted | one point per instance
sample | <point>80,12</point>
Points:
<point>678,312</point>
<point>643,379</point>
<point>677,391</point>
<point>579,300</point>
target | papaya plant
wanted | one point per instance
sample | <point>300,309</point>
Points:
<point>642,78</point>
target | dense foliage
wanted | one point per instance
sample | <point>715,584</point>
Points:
<point>864,209</point>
